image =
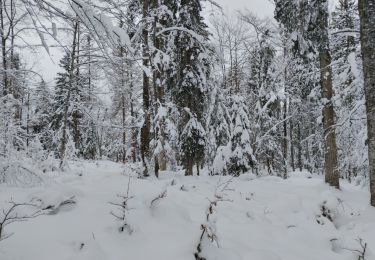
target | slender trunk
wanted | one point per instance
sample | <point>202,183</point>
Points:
<point>11,60</point>
<point>308,154</point>
<point>292,147</point>
<point>13,87</point>
<point>28,119</point>
<point>123,103</point>
<point>299,146</point>
<point>189,167</point>
<point>3,48</point>
<point>76,130</point>
<point>67,100</point>
<point>161,159</point>
<point>285,140</point>
<point>134,130</point>
<point>367,16</point>
<point>145,131</point>
<point>89,69</point>
<point>330,162</point>
<point>236,68</point>
<point>123,128</point>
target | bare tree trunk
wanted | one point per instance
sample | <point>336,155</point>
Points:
<point>76,130</point>
<point>123,108</point>
<point>28,119</point>
<point>189,167</point>
<point>285,140</point>
<point>159,43</point>
<point>299,147</point>
<point>145,131</point>
<point>134,132</point>
<point>308,154</point>
<point>3,48</point>
<point>123,102</point>
<point>292,147</point>
<point>330,164</point>
<point>367,16</point>
<point>13,88</point>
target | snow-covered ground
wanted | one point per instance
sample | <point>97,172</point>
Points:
<point>265,218</point>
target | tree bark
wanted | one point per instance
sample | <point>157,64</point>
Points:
<point>145,131</point>
<point>330,162</point>
<point>292,148</point>
<point>367,17</point>
<point>159,159</point>
<point>285,139</point>
<point>76,113</point>
<point>299,147</point>
<point>3,49</point>
<point>123,108</point>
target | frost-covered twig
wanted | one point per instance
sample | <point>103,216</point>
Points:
<point>159,197</point>
<point>11,215</point>
<point>209,228</point>
<point>361,252</point>
<point>123,209</point>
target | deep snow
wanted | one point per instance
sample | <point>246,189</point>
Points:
<point>265,218</point>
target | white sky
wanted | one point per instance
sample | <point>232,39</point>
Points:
<point>260,7</point>
<point>48,66</point>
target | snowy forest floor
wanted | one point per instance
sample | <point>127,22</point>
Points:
<point>265,218</point>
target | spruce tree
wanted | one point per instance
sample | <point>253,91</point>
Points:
<point>190,93</point>
<point>348,83</point>
<point>42,114</point>
<point>236,157</point>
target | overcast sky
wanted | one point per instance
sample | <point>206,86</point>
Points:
<point>259,7</point>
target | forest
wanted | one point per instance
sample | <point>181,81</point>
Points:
<point>177,127</point>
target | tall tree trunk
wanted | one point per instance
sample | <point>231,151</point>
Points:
<point>189,166</point>
<point>367,17</point>
<point>292,146</point>
<point>134,131</point>
<point>123,108</point>
<point>330,163</point>
<point>285,139</point>
<point>299,146</point>
<point>145,131</point>
<point>13,87</point>
<point>75,116</point>
<point>123,101</point>
<point>67,100</point>
<point>28,119</point>
<point>3,48</point>
<point>160,159</point>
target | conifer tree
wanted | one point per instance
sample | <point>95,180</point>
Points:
<point>236,157</point>
<point>349,101</point>
<point>42,114</point>
<point>191,88</point>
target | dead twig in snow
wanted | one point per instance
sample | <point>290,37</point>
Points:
<point>11,215</point>
<point>123,210</point>
<point>158,198</point>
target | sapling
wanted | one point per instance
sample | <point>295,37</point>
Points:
<point>10,215</point>
<point>122,210</point>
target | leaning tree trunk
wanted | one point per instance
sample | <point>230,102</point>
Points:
<point>367,16</point>
<point>330,163</point>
